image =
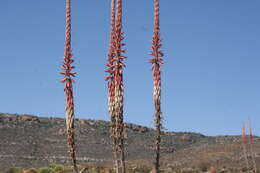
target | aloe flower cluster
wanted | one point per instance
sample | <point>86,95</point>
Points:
<point>111,60</point>
<point>68,88</point>
<point>157,61</point>
<point>110,79</point>
<point>115,83</point>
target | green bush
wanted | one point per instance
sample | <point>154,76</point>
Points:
<point>68,169</point>
<point>53,165</point>
<point>56,167</point>
<point>60,168</point>
<point>45,170</point>
<point>14,170</point>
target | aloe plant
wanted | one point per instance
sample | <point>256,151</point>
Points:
<point>251,140</point>
<point>115,84</point>
<point>119,85</point>
<point>157,61</point>
<point>111,84</point>
<point>244,145</point>
<point>68,87</point>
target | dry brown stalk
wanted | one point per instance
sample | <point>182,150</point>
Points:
<point>251,140</point>
<point>157,61</point>
<point>244,145</point>
<point>68,88</point>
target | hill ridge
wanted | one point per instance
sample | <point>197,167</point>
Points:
<point>32,141</point>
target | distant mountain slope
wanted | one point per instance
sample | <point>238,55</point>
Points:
<point>31,141</point>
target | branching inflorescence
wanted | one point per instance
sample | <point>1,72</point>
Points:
<point>115,83</point>
<point>68,88</point>
<point>157,61</point>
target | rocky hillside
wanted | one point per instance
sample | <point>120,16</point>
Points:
<point>31,141</point>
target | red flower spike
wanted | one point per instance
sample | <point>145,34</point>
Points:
<point>115,82</point>
<point>68,88</point>
<point>243,134</point>
<point>157,61</point>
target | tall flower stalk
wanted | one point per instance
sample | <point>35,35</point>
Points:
<point>251,140</point>
<point>111,84</point>
<point>244,145</point>
<point>157,61</point>
<point>68,87</point>
<point>115,84</point>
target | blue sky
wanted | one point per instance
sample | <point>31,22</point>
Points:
<point>210,78</point>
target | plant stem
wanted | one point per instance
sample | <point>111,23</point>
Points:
<point>68,88</point>
<point>157,61</point>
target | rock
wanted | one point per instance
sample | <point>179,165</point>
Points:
<point>82,122</point>
<point>136,128</point>
<point>143,129</point>
<point>170,150</point>
<point>186,138</point>
<point>62,131</point>
<point>26,117</point>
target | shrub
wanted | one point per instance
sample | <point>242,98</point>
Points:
<point>14,170</point>
<point>32,170</point>
<point>60,168</point>
<point>45,170</point>
<point>56,167</point>
<point>188,170</point>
